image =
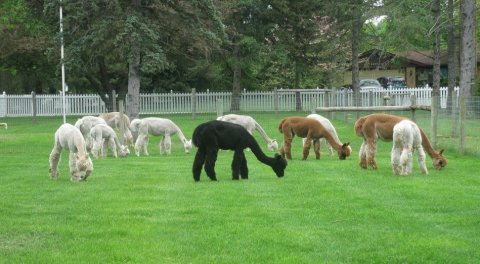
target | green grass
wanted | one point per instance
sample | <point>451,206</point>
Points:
<point>149,209</point>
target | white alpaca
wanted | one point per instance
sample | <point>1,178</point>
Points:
<point>113,120</point>
<point>70,138</point>
<point>86,123</point>
<point>157,127</point>
<point>104,136</point>
<point>250,124</point>
<point>330,128</point>
<point>406,139</point>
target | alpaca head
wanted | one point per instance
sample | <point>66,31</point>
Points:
<point>124,151</point>
<point>439,161</point>
<point>187,145</point>
<point>344,151</point>
<point>279,165</point>
<point>83,169</point>
<point>272,145</point>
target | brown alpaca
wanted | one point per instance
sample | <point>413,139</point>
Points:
<point>311,130</point>
<point>380,126</point>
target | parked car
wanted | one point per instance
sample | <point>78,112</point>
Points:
<point>370,84</point>
<point>390,82</point>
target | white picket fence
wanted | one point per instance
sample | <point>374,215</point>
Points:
<point>210,102</point>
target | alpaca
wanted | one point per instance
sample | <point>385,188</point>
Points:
<point>380,126</point>
<point>211,136</point>
<point>250,124</point>
<point>5,125</point>
<point>312,130</point>
<point>327,125</point>
<point>70,138</point>
<point>86,123</point>
<point>406,139</point>
<point>104,136</point>
<point>157,127</point>
<point>113,120</point>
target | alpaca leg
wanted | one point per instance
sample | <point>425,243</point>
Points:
<point>113,147</point>
<point>330,148</point>
<point>405,159</point>
<point>306,148</point>
<point>167,144</point>
<point>74,173</point>
<point>316,148</point>
<point>287,146</point>
<point>244,168</point>
<point>161,145</point>
<point>53,160</point>
<point>371,151</point>
<point>421,160</point>
<point>238,158</point>
<point>395,159</point>
<point>362,155</point>
<point>145,146</point>
<point>210,160</point>
<point>198,164</point>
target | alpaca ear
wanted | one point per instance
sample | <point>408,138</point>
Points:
<point>346,144</point>
<point>441,151</point>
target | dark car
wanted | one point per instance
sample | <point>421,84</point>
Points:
<point>390,82</point>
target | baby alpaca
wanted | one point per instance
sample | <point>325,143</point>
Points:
<point>104,136</point>
<point>70,138</point>
<point>156,126</point>
<point>311,130</point>
<point>250,124</point>
<point>406,139</point>
<point>211,136</point>
<point>327,125</point>
<point>113,120</point>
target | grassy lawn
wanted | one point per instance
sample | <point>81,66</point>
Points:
<point>149,209</point>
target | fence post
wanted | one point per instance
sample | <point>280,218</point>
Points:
<point>413,103</point>
<point>122,123</point>
<point>334,101</point>
<point>114,102</point>
<point>194,103</point>
<point>275,101</point>
<point>219,107</point>
<point>345,104</point>
<point>463,114</point>
<point>34,107</point>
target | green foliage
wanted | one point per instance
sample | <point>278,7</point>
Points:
<point>149,209</point>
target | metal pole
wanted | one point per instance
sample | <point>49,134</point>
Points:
<point>63,65</point>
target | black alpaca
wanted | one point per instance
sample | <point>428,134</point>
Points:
<point>211,136</point>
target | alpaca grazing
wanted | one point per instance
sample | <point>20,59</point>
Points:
<point>327,125</point>
<point>406,139</point>
<point>86,123</point>
<point>4,125</point>
<point>250,124</point>
<point>113,120</point>
<point>211,136</point>
<point>157,127</point>
<point>311,130</point>
<point>70,138</point>
<point>103,136</point>
<point>380,126</point>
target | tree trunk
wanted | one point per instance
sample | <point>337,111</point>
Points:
<point>237,76</point>
<point>436,71</point>
<point>133,94</point>
<point>356,28</point>
<point>467,60</point>
<point>452,69</point>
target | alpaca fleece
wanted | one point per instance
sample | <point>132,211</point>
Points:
<point>211,136</point>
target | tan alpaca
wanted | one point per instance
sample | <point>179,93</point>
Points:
<point>380,126</point>
<point>70,138</point>
<point>311,130</point>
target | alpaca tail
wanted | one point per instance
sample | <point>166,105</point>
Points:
<point>359,125</point>
<point>281,125</point>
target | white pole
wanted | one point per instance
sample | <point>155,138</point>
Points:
<point>63,66</point>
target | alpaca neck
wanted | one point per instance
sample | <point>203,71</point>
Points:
<point>181,136</point>
<point>335,143</point>
<point>427,146</point>
<point>81,147</point>
<point>262,133</point>
<point>257,151</point>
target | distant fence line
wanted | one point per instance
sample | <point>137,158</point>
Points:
<point>278,100</point>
